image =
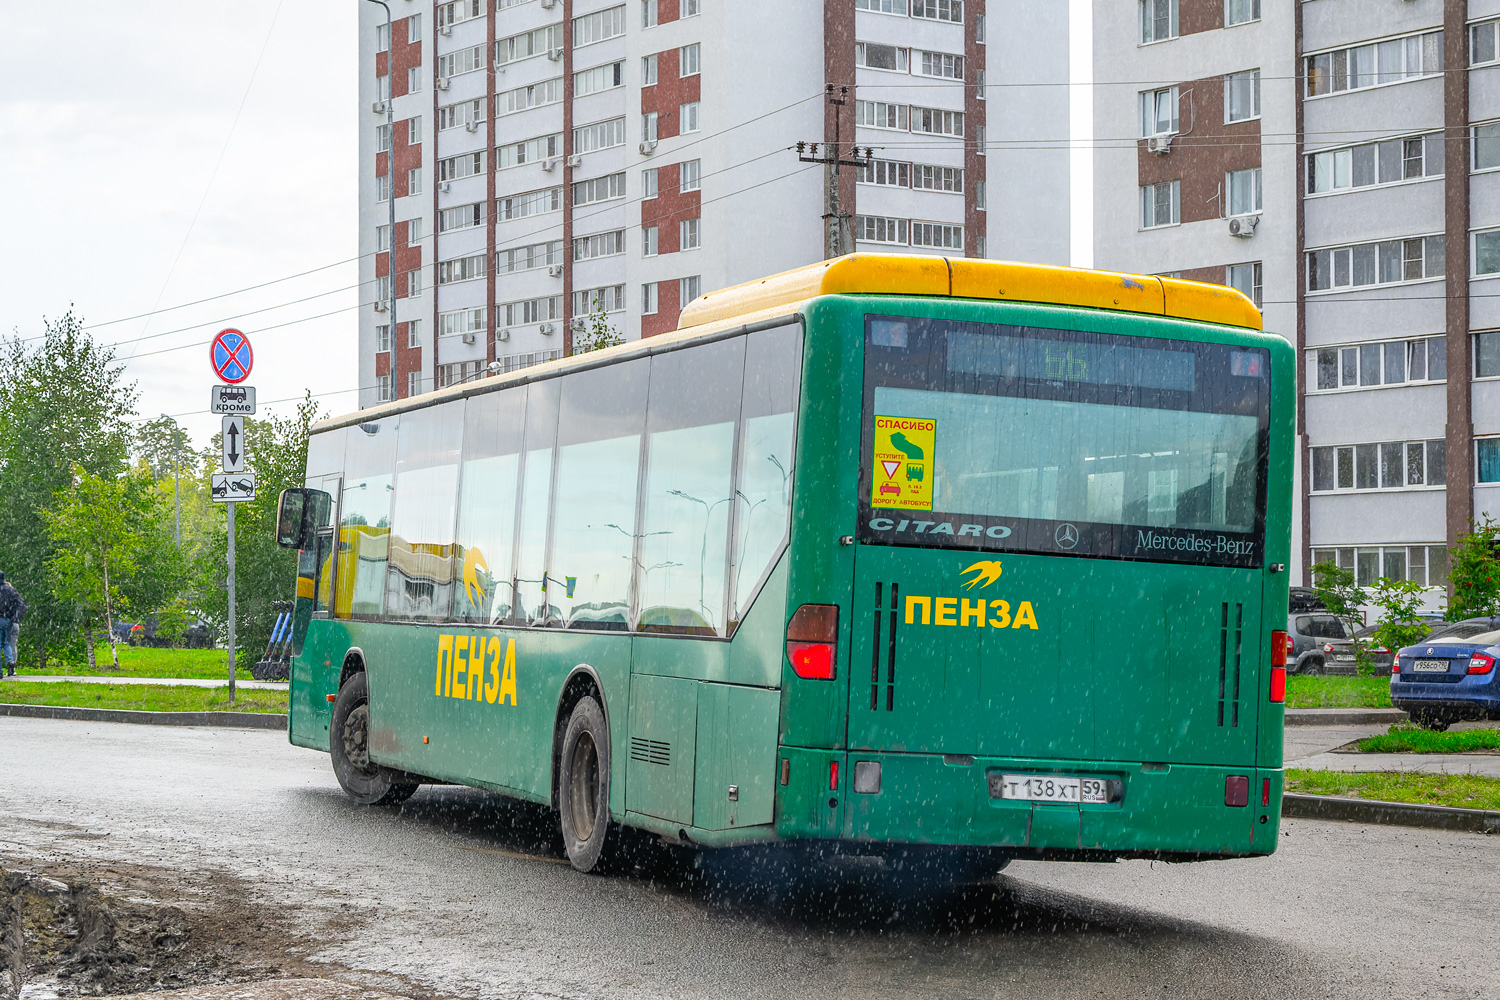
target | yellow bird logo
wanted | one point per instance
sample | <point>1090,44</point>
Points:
<point>985,573</point>
<point>473,562</point>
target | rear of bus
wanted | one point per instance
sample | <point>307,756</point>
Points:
<point>1060,558</point>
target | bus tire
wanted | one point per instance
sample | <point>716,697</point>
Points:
<point>583,785</point>
<point>365,782</point>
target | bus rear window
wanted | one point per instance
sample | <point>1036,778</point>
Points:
<point>1007,438</point>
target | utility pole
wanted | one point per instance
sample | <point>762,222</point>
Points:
<point>838,236</point>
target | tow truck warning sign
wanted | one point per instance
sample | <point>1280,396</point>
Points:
<point>902,462</point>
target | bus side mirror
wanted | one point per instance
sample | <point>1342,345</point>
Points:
<point>290,515</point>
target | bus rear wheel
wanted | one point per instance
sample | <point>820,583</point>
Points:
<point>363,781</point>
<point>583,785</point>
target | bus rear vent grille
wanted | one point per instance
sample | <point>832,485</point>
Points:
<point>1231,643</point>
<point>884,650</point>
<point>650,751</point>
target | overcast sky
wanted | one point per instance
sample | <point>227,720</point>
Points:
<point>113,117</point>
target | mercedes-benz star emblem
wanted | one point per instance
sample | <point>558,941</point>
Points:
<point>1066,536</point>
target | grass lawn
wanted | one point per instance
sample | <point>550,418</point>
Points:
<point>140,697</point>
<point>1406,738</point>
<point>1464,790</point>
<point>1303,691</point>
<point>139,661</point>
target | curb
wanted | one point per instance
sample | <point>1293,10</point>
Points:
<point>1347,810</point>
<point>1343,716</point>
<point>227,720</point>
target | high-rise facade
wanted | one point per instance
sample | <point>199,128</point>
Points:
<point>564,165</point>
<point>1337,161</point>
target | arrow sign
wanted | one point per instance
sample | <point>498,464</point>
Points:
<point>231,356</point>
<point>233,444</point>
<point>232,487</point>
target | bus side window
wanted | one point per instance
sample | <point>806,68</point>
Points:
<point>773,370</point>
<point>419,581</point>
<point>482,586</point>
<point>365,518</point>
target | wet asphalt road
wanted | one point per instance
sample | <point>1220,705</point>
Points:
<point>462,893</point>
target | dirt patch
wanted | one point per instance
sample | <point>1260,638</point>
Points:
<point>74,935</point>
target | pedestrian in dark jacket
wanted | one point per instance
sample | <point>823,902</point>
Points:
<point>12,610</point>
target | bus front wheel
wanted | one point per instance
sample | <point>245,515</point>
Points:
<point>365,782</point>
<point>583,785</point>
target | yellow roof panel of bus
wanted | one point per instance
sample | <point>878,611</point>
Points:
<point>1004,281</point>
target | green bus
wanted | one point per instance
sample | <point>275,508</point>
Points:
<point>885,551</point>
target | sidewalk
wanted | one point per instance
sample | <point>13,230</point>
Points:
<point>165,681</point>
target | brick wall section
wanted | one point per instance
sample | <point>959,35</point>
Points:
<point>1204,151</point>
<point>670,92</point>
<point>1214,275</point>
<point>974,119</point>
<point>667,10</point>
<point>838,71</point>
<point>668,308</point>
<point>382,362</point>
<point>1194,16</point>
<point>407,55</point>
<point>667,211</point>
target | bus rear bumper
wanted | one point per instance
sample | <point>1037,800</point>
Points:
<point>1157,810</point>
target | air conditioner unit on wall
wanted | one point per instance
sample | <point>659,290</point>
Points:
<point>380,306</point>
<point>555,55</point>
<point>444,185</point>
<point>548,4</point>
<point>648,147</point>
<point>1159,144</point>
<point>378,107</point>
<point>555,270</point>
<point>546,329</point>
<point>472,126</point>
<point>445,29</point>
<point>550,163</point>
<point>441,83</point>
<point>502,334</point>
<point>468,338</point>
<point>1243,226</point>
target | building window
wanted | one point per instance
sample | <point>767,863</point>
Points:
<point>414,333</point>
<point>689,235</point>
<point>461,10</point>
<point>599,189</point>
<point>1388,465</point>
<point>529,151</point>
<point>648,70</point>
<point>690,60</point>
<point>1160,204</point>
<point>886,173</point>
<point>382,138</point>
<point>980,247</point>
<point>382,37</point>
<point>1486,146</point>
<point>526,45</point>
<point>871,55</point>
<point>413,383</point>
<point>414,130</point>
<point>611,298</point>
<point>882,6</point>
<point>533,310</point>
<point>602,135</point>
<point>648,291</point>
<point>689,8</point>
<point>383,187</point>
<point>1158,20</point>
<point>533,95</point>
<point>877,229</point>
<point>692,171</point>
<point>531,257</point>
<point>689,119</point>
<point>1376,263</point>
<point>879,114</point>
<point>648,126</point>
<point>609,244</point>
<point>460,115</point>
<point>979,30</point>
<point>936,121</point>
<point>462,269</point>
<point>596,27</point>
<point>940,65</point>
<point>1374,64</point>
<point>599,78</point>
<point>689,289</point>
<point>382,238</point>
<point>414,80</point>
<point>520,206</point>
<point>1244,191</point>
<point>414,283</point>
<point>1245,278</point>
<point>648,241</point>
<point>648,183</point>
<point>1391,362</point>
<point>1482,43</point>
<point>1389,161</point>
<point>414,181</point>
<point>382,291</point>
<point>466,60</point>
<point>1242,96</point>
<point>1159,112</point>
<point>1487,252</point>
<point>1241,12</point>
<point>648,13</point>
<point>382,388</point>
<point>461,217</point>
<point>455,167</point>
<point>925,177</point>
<point>1488,455</point>
<point>382,338</point>
<point>979,197</point>
<point>413,232</point>
<point>937,235</point>
<point>939,10</point>
<point>1487,354</point>
<point>457,372</point>
<point>1423,564</point>
<point>461,321</point>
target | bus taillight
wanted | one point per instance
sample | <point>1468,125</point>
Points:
<point>1278,684</point>
<point>812,641</point>
<point>1278,648</point>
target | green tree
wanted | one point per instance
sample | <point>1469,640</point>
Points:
<point>1474,572</point>
<point>276,451</point>
<point>595,333</point>
<point>1399,623</point>
<point>63,404</point>
<point>1335,587</point>
<point>96,531</point>
<point>164,446</point>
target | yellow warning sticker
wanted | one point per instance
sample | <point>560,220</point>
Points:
<point>903,462</point>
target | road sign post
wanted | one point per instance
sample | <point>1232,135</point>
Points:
<point>232,358</point>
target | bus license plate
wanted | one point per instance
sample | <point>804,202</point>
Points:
<point>1048,788</point>
<point>1430,666</point>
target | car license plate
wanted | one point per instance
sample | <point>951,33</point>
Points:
<point>1430,666</point>
<point>1048,788</point>
<point>1343,657</point>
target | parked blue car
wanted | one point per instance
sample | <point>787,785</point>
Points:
<point>1451,675</point>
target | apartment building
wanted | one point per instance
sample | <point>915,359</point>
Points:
<point>1369,231</point>
<point>556,164</point>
